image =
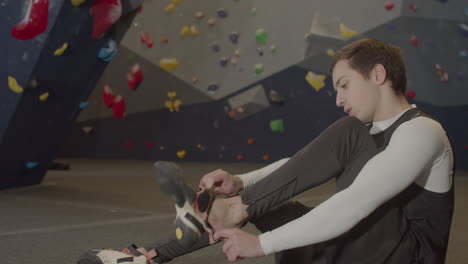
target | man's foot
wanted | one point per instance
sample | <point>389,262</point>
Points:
<point>228,213</point>
<point>130,255</point>
<point>192,208</point>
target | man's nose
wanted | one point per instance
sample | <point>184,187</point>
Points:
<point>339,99</point>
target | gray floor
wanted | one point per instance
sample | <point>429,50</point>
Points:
<point>109,203</point>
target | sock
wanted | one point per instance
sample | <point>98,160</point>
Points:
<point>34,22</point>
<point>105,13</point>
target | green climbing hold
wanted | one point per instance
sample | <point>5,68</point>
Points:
<point>261,36</point>
<point>253,11</point>
<point>277,125</point>
<point>273,49</point>
<point>259,69</point>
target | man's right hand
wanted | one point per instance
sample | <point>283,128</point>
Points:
<point>225,182</point>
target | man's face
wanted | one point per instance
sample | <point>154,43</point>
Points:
<point>358,96</point>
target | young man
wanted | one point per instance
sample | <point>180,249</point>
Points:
<point>393,167</point>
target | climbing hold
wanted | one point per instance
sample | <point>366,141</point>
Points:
<point>237,53</point>
<point>61,50</point>
<point>250,141</point>
<point>211,22</point>
<point>463,53</point>
<point>87,130</point>
<point>118,107</point>
<point>170,8</point>
<point>169,64</point>
<point>83,105</point>
<point>34,22</point>
<point>266,157</point>
<point>135,77</point>
<point>164,40</point>
<point>410,94</point>
<point>389,6</point>
<point>176,2</point>
<point>212,88</point>
<point>77,2</point>
<point>240,157</point>
<point>275,97</point>
<point>273,49</point>
<point>109,51</point>
<point>414,40</point>
<point>128,144</point>
<point>234,61</point>
<point>277,125</point>
<point>347,32</point>
<point>181,154</point>
<point>215,47</point>
<point>234,37</point>
<point>150,42</point>
<point>463,29</point>
<point>43,97</point>
<point>260,51</point>
<point>253,11</point>
<point>261,36</point>
<point>443,75</point>
<point>413,7</point>
<point>195,80</point>
<point>185,31</point>
<point>259,69</point>
<point>330,52</point>
<point>222,13</point>
<point>316,80</point>
<point>169,105</point>
<point>108,96</point>
<point>144,37</point>
<point>161,147</point>
<point>14,86</point>
<point>199,15</point>
<point>140,9</point>
<point>31,164</point>
<point>172,95</point>
<point>223,61</point>
<point>194,31</point>
<point>149,144</point>
<point>177,103</point>
<point>105,13</point>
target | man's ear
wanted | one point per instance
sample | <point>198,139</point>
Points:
<point>379,74</point>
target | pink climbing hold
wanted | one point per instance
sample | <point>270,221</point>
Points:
<point>34,21</point>
<point>410,94</point>
<point>105,13</point>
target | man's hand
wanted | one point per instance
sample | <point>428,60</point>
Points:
<point>226,183</point>
<point>239,244</point>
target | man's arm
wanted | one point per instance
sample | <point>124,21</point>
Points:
<point>413,148</point>
<point>252,177</point>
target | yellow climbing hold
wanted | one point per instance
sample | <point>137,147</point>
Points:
<point>330,52</point>
<point>179,233</point>
<point>169,105</point>
<point>185,31</point>
<point>169,64</point>
<point>347,32</point>
<point>172,95</point>
<point>43,97</point>
<point>14,86</point>
<point>181,154</point>
<point>194,31</point>
<point>170,8</point>
<point>61,50</point>
<point>177,104</point>
<point>316,80</point>
<point>77,2</point>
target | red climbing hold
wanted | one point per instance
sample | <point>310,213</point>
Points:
<point>108,96</point>
<point>389,6</point>
<point>105,13</point>
<point>410,94</point>
<point>34,21</point>
<point>135,77</point>
<point>118,107</point>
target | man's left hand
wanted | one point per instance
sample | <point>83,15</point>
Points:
<point>239,244</point>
